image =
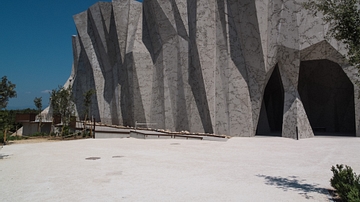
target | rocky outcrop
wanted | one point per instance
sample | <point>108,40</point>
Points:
<point>216,66</point>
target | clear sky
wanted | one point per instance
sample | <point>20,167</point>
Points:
<point>35,46</point>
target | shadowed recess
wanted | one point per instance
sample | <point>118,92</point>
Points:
<point>328,97</point>
<point>271,114</point>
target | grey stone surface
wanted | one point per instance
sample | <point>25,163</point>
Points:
<point>214,66</point>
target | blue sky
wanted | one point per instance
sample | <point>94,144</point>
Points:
<point>35,46</point>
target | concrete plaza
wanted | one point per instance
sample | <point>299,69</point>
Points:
<point>240,169</point>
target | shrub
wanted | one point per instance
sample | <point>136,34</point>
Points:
<point>346,183</point>
<point>2,137</point>
<point>12,138</point>
<point>37,134</point>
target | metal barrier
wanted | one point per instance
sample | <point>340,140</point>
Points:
<point>144,124</point>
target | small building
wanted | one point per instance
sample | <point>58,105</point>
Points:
<point>31,123</point>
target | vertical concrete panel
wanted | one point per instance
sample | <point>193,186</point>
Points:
<point>143,65</point>
<point>222,71</point>
<point>121,15</point>
<point>205,42</point>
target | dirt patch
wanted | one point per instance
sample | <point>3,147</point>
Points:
<point>33,140</point>
<point>30,140</point>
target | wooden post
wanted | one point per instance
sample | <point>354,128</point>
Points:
<point>52,125</point>
<point>90,129</point>
<point>94,128</point>
<point>84,125</point>
<point>5,136</point>
<point>39,126</point>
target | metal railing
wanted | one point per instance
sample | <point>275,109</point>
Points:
<point>137,124</point>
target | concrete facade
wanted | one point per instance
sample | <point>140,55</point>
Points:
<point>238,68</point>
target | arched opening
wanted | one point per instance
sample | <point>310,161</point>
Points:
<point>328,98</point>
<point>271,113</point>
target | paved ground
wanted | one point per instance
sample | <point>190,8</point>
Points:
<point>241,169</point>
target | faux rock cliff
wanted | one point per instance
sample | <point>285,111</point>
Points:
<point>230,67</point>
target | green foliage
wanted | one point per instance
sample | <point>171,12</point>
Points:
<point>8,121</point>
<point>61,101</point>
<point>2,141</point>
<point>52,134</point>
<point>86,134</point>
<point>7,90</point>
<point>66,131</point>
<point>10,138</point>
<point>38,103</point>
<point>8,118</point>
<point>346,183</point>
<point>87,101</point>
<point>344,19</point>
<point>5,119</point>
<point>39,134</point>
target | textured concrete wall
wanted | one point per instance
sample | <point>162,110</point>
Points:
<point>201,66</point>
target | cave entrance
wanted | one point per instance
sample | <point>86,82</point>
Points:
<point>328,98</point>
<point>272,107</point>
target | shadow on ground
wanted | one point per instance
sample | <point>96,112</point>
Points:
<point>294,184</point>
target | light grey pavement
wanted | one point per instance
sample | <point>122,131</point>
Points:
<point>241,169</point>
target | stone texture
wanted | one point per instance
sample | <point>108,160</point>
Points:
<point>215,66</point>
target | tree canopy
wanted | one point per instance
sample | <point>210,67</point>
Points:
<point>38,103</point>
<point>8,118</point>
<point>87,102</point>
<point>61,101</point>
<point>344,19</point>
<point>7,90</point>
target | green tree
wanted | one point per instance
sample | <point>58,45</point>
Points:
<point>344,19</point>
<point>87,102</point>
<point>38,105</point>
<point>61,101</point>
<point>8,120</point>
<point>4,125</point>
<point>7,90</point>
